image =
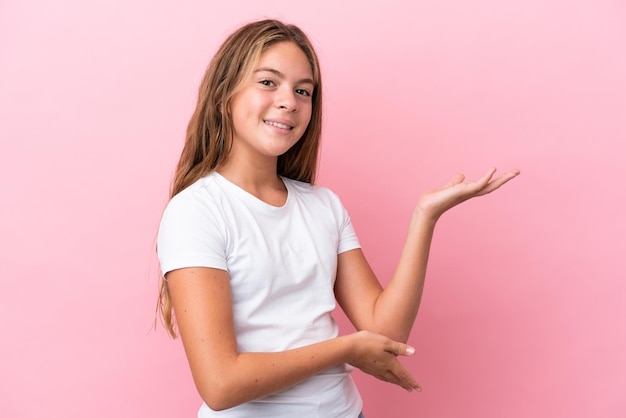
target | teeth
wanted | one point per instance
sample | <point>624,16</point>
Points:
<point>278,125</point>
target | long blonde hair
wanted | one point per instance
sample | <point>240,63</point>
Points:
<point>210,131</point>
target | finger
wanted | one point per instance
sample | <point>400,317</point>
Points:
<point>498,182</point>
<point>402,377</point>
<point>458,178</point>
<point>475,188</point>
<point>484,181</point>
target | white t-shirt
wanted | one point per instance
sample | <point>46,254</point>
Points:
<point>282,264</point>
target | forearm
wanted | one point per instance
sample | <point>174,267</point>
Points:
<point>397,305</point>
<point>224,376</point>
<point>392,311</point>
<point>243,377</point>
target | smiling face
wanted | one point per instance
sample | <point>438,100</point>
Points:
<point>272,109</point>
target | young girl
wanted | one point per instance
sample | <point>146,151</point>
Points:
<point>254,255</point>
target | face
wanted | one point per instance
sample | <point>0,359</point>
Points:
<point>273,108</point>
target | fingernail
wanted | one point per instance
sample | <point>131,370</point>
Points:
<point>419,389</point>
<point>410,350</point>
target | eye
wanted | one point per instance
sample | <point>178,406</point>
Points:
<point>303,92</point>
<point>268,83</point>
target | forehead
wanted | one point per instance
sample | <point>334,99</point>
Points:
<point>287,58</point>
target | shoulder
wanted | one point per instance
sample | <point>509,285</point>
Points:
<point>310,190</point>
<point>194,208</point>
<point>316,196</point>
<point>191,232</point>
<point>199,194</point>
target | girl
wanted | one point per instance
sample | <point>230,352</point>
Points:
<point>254,255</point>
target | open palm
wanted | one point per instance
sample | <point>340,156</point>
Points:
<point>436,202</point>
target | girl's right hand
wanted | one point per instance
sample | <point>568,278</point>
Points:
<point>376,355</point>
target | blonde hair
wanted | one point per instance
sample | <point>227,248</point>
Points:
<point>210,131</point>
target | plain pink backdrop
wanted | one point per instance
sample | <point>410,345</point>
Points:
<point>524,309</point>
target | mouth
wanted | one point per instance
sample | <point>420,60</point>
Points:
<point>278,124</point>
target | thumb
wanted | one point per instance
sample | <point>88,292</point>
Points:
<point>400,349</point>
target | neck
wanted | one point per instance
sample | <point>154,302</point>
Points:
<point>258,178</point>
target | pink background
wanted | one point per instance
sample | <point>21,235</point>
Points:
<point>524,309</point>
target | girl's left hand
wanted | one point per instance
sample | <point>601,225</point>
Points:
<point>436,202</point>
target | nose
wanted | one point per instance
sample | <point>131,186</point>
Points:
<point>286,99</point>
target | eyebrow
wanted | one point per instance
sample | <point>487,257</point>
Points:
<point>281,75</point>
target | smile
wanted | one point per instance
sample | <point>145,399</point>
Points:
<point>278,125</point>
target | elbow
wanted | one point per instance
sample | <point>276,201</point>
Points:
<point>219,396</point>
<point>217,404</point>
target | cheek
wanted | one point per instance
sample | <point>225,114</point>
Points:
<point>306,112</point>
<point>235,111</point>
<point>307,118</point>
<point>247,105</point>
<point>237,121</point>
<point>302,127</point>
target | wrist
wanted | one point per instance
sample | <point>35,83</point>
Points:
<point>347,347</point>
<point>422,217</point>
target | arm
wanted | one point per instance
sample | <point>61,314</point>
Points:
<point>392,311</point>
<point>224,377</point>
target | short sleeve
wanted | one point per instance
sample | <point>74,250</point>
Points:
<point>190,234</point>
<point>348,239</point>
